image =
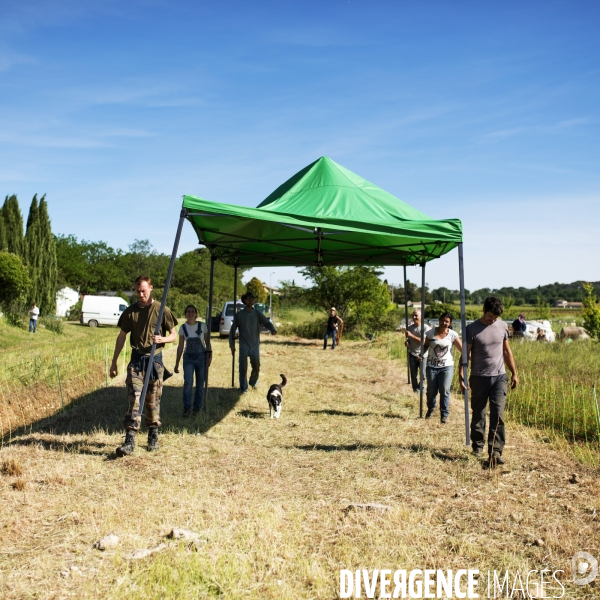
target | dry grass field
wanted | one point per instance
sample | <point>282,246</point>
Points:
<point>270,497</point>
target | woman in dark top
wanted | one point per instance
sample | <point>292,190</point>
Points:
<point>333,325</point>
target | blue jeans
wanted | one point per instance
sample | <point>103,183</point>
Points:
<point>33,325</point>
<point>254,355</point>
<point>333,338</point>
<point>439,380</point>
<point>193,364</point>
<point>415,366</point>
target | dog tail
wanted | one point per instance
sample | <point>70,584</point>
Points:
<point>283,379</point>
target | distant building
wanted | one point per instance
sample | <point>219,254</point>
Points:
<point>567,304</point>
<point>268,289</point>
<point>65,299</point>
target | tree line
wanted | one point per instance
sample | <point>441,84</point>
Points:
<point>93,267</point>
<point>28,266</point>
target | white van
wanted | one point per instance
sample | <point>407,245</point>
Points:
<point>227,317</point>
<point>101,310</point>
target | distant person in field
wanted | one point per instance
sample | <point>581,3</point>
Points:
<point>334,324</point>
<point>439,341</point>
<point>139,320</point>
<point>519,326</point>
<point>194,336</point>
<point>34,313</point>
<point>541,335</point>
<point>413,343</point>
<point>248,320</point>
<point>488,350</point>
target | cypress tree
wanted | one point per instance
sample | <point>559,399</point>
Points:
<point>2,233</point>
<point>48,267</point>
<point>13,226</point>
<point>33,255</point>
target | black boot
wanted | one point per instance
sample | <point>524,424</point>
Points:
<point>129,445</point>
<point>152,439</point>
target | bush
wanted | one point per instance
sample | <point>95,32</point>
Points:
<point>54,324</point>
<point>15,319</point>
<point>14,284</point>
<point>434,311</point>
<point>591,312</point>
<point>311,330</point>
<point>74,313</point>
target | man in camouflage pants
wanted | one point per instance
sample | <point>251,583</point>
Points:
<point>139,320</point>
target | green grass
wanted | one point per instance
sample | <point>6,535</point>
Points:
<point>16,339</point>
<point>556,389</point>
<point>271,496</point>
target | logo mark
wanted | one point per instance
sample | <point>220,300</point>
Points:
<point>585,568</point>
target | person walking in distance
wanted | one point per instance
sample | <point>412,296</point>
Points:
<point>248,321</point>
<point>140,320</point>
<point>413,343</point>
<point>488,350</point>
<point>34,313</point>
<point>194,336</point>
<point>333,324</point>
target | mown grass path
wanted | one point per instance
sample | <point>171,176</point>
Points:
<point>269,496</point>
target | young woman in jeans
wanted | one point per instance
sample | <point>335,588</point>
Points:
<point>440,365</point>
<point>194,336</point>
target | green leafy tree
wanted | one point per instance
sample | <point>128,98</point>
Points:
<point>292,295</point>
<point>351,290</point>
<point>13,226</point>
<point>591,312</point>
<point>256,286</point>
<point>14,282</point>
<point>143,259</point>
<point>90,267</point>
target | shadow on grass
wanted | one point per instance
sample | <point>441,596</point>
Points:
<point>103,410</point>
<point>443,455</point>
<point>252,414</point>
<point>339,413</point>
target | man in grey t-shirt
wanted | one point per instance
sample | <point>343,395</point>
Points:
<point>488,350</point>
<point>248,321</point>
<point>413,343</point>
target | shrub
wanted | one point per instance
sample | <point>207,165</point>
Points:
<point>54,324</point>
<point>14,283</point>
<point>591,312</point>
<point>74,313</point>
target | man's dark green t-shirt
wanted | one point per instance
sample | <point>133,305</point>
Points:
<point>140,321</point>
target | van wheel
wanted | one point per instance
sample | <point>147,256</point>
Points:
<point>93,323</point>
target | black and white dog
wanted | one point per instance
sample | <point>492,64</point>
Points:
<point>275,396</point>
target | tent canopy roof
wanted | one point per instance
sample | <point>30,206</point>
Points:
<point>323,215</point>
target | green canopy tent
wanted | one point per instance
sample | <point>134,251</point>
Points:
<point>323,215</point>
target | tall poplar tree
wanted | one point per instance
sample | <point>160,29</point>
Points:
<point>13,226</point>
<point>2,233</point>
<point>49,270</point>
<point>33,254</point>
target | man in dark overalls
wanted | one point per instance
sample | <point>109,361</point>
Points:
<point>140,320</point>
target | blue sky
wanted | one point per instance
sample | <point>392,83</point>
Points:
<point>483,111</point>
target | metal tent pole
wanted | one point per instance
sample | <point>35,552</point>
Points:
<point>406,324</point>
<point>235,275</point>
<point>463,331</point>
<point>209,323</point>
<point>423,362</point>
<point>161,311</point>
